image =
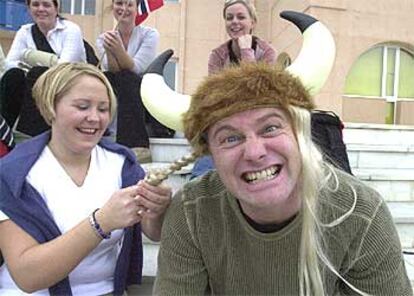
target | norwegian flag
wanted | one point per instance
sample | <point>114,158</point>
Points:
<point>145,7</point>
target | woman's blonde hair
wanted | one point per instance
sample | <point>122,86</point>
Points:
<point>58,80</point>
<point>250,8</point>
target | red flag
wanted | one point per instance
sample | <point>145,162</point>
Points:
<point>145,7</point>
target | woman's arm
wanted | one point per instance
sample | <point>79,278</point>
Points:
<point>35,266</point>
<point>215,62</point>
<point>269,55</point>
<point>117,57</point>
<point>154,201</point>
<point>17,48</point>
<point>112,62</point>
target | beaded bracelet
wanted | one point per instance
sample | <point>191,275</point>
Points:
<point>97,228</point>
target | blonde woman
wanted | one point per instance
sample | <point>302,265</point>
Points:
<point>71,204</point>
<point>273,218</point>
<point>240,19</point>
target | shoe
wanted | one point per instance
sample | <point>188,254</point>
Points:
<point>143,154</point>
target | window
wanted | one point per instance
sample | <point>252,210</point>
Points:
<point>385,72</point>
<point>83,7</point>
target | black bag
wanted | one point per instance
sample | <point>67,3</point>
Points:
<point>327,134</point>
<point>43,45</point>
<point>91,57</point>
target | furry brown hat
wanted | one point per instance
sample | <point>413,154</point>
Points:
<point>236,89</point>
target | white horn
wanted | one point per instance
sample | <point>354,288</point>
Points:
<point>317,55</point>
<point>312,66</point>
<point>166,105</point>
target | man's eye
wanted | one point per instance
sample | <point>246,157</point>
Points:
<point>271,129</point>
<point>232,139</point>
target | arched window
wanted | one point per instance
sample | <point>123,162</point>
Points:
<point>385,72</point>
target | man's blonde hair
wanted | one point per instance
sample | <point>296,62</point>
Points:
<point>58,80</point>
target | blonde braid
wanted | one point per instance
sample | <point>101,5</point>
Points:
<point>155,177</point>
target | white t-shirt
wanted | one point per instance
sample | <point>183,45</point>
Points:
<point>69,204</point>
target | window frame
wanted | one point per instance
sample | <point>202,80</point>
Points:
<point>72,4</point>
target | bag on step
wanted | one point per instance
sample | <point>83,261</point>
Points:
<point>327,134</point>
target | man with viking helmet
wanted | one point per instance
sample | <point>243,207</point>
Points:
<point>274,218</point>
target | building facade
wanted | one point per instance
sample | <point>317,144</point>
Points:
<point>372,80</point>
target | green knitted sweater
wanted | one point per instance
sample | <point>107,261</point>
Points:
<point>207,245</point>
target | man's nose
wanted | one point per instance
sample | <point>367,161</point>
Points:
<point>254,148</point>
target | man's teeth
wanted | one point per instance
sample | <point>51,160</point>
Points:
<point>266,174</point>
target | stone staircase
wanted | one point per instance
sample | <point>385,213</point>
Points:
<point>381,156</point>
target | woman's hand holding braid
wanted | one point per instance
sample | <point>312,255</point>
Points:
<point>153,202</point>
<point>120,210</point>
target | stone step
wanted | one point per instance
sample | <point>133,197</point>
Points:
<point>403,214</point>
<point>378,134</point>
<point>388,157</point>
<point>168,150</point>
<point>392,184</point>
<point>409,265</point>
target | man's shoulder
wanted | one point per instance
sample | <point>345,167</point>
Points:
<point>207,186</point>
<point>343,192</point>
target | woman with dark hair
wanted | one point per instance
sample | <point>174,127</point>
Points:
<point>37,46</point>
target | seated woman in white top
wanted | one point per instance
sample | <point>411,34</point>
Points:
<point>39,45</point>
<point>127,51</point>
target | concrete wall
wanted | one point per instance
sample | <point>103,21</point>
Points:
<point>357,26</point>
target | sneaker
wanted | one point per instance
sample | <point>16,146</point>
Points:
<point>143,154</point>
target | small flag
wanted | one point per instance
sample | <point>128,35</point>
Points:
<point>145,7</point>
